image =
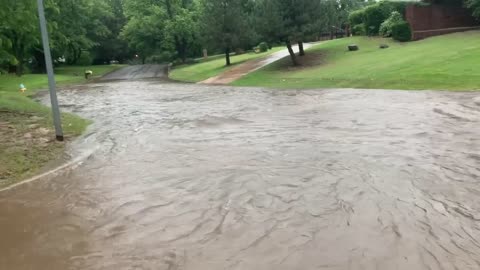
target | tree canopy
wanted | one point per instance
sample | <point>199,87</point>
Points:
<point>100,31</point>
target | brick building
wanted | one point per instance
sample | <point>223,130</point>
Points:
<point>438,19</point>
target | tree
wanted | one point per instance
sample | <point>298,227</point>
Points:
<point>80,26</point>
<point>19,25</point>
<point>475,6</point>
<point>181,29</point>
<point>224,22</point>
<point>307,18</point>
<point>155,25</point>
<point>111,46</point>
<point>281,21</point>
<point>144,31</point>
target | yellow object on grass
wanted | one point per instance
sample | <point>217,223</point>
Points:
<point>23,88</point>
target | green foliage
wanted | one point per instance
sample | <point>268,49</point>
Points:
<point>401,31</point>
<point>19,25</point>
<point>374,15</point>
<point>356,17</point>
<point>85,59</point>
<point>475,6</point>
<point>163,57</point>
<point>161,25</point>
<point>111,47</point>
<point>263,47</point>
<point>359,30</point>
<point>144,30</point>
<point>386,26</point>
<point>224,24</point>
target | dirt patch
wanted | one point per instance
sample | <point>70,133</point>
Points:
<point>235,73</point>
<point>27,145</point>
<point>311,59</point>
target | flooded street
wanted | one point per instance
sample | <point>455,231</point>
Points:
<point>204,177</point>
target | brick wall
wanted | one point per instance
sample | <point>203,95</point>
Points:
<point>435,20</point>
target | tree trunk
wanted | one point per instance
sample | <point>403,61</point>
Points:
<point>19,69</point>
<point>178,46</point>
<point>184,50</point>
<point>40,66</point>
<point>227,56</point>
<point>300,48</point>
<point>144,59</point>
<point>12,69</point>
<point>292,53</point>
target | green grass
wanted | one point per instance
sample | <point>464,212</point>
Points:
<point>212,67</point>
<point>24,156</point>
<point>63,75</point>
<point>447,62</point>
<point>26,127</point>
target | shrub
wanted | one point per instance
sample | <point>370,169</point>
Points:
<point>359,30</point>
<point>356,17</point>
<point>374,15</point>
<point>239,51</point>
<point>386,26</point>
<point>401,31</point>
<point>263,47</point>
<point>85,59</point>
<point>163,57</point>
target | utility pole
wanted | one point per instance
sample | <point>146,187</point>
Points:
<point>57,121</point>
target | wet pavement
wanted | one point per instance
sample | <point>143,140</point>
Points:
<point>137,72</point>
<point>214,177</point>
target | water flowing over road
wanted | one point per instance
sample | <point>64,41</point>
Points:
<point>214,177</point>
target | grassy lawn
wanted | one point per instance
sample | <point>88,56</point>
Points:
<point>26,129</point>
<point>63,75</point>
<point>447,62</point>
<point>213,67</point>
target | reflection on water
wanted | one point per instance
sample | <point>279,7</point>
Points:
<point>198,177</point>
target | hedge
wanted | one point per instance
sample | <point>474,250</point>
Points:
<point>402,32</point>
<point>374,15</point>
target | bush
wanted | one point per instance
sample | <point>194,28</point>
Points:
<point>356,17</point>
<point>85,59</point>
<point>374,15</point>
<point>359,30</point>
<point>386,26</point>
<point>401,31</point>
<point>239,51</point>
<point>163,57</point>
<point>263,47</point>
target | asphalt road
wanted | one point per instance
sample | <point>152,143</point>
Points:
<point>137,72</point>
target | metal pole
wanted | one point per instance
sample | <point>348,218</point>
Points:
<point>51,77</point>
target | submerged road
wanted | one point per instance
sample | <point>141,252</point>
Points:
<point>214,177</point>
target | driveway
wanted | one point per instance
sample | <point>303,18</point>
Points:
<point>205,177</point>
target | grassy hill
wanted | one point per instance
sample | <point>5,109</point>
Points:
<point>213,66</point>
<point>449,62</point>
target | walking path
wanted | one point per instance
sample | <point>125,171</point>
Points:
<point>241,70</point>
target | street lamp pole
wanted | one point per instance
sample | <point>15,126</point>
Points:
<point>51,77</point>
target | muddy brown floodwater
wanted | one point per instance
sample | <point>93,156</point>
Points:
<point>204,178</point>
